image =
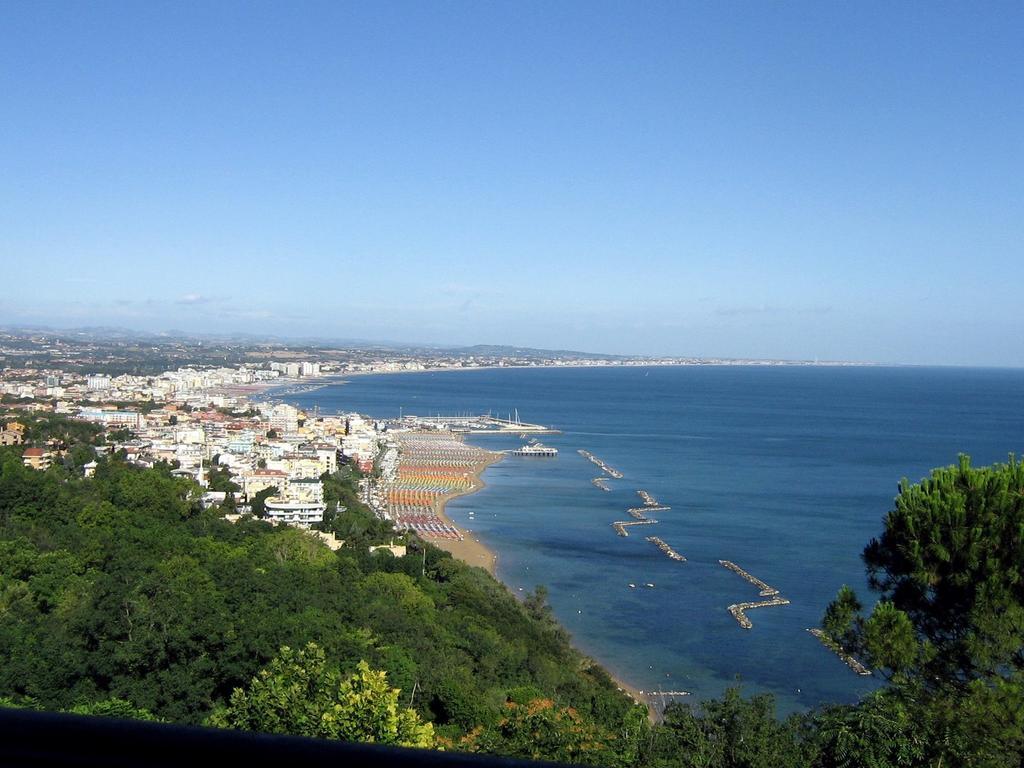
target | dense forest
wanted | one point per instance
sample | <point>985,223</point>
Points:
<point>120,595</point>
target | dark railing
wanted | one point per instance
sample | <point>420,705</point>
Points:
<point>29,738</point>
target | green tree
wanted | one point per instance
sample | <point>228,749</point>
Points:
<point>950,569</point>
<point>259,501</point>
<point>220,480</point>
<point>948,630</point>
<point>300,694</point>
<point>731,732</point>
<point>541,730</point>
<point>840,616</point>
<point>118,708</point>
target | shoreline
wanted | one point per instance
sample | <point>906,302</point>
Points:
<point>340,376</point>
<point>474,552</point>
<point>470,550</point>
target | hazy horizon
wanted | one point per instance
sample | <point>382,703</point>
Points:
<point>792,181</point>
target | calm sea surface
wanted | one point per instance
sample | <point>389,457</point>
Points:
<point>786,471</point>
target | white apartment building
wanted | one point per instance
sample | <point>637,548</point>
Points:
<point>284,418</point>
<point>97,382</point>
<point>291,370</point>
<point>302,506</point>
<point>131,419</point>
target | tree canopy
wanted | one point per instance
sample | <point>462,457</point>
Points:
<point>300,694</point>
<point>120,595</point>
<point>948,627</point>
<point>122,587</point>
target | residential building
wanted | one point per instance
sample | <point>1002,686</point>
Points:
<point>97,382</point>
<point>36,458</point>
<point>284,418</point>
<point>112,418</point>
<point>261,479</point>
<point>10,437</point>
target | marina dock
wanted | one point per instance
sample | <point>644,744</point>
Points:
<point>838,650</point>
<point>666,549</point>
<point>476,424</point>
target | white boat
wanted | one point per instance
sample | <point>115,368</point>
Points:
<point>535,449</point>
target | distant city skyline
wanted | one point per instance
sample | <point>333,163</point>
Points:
<point>791,181</point>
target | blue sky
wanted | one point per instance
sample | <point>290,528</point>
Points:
<point>832,180</point>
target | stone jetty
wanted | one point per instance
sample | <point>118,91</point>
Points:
<point>600,464</point>
<point>666,549</point>
<point>738,609</point>
<point>766,590</point>
<point>838,650</point>
<point>650,508</point>
<point>620,526</point>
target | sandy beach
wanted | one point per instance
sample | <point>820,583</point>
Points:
<point>470,550</point>
<point>435,468</point>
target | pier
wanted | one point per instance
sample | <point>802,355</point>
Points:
<point>838,650</point>
<point>666,549</point>
<point>766,590</point>
<point>620,526</point>
<point>601,483</point>
<point>737,609</point>
<point>601,464</point>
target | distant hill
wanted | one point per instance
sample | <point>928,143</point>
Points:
<point>101,334</point>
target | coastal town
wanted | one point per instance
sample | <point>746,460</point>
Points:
<point>212,408</point>
<point>227,429</point>
<point>210,425</point>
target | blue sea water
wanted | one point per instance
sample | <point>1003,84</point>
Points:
<point>787,471</point>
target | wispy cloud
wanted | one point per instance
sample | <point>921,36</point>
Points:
<point>768,309</point>
<point>246,314</point>
<point>194,298</point>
